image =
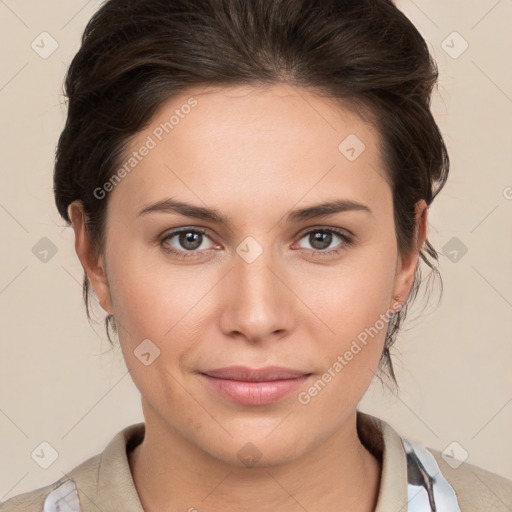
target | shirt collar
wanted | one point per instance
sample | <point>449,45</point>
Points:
<point>113,488</point>
<point>385,444</point>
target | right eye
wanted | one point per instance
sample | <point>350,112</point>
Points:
<point>187,241</point>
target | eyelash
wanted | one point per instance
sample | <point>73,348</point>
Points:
<point>347,241</point>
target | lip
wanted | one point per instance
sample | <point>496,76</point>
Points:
<point>246,374</point>
<point>255,386</point>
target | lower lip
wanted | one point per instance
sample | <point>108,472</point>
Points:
<point>255,393</point>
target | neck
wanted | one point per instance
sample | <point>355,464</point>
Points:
<point>170,473</point>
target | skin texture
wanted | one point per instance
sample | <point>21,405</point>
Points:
<point>254,155</point>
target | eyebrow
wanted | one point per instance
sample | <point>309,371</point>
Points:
<point>211,214</point>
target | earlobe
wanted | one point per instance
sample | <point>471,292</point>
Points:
<point>92,262</point>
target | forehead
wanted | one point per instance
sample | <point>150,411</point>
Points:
<point>255,144</point>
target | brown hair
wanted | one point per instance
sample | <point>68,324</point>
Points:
<point>136,54</point>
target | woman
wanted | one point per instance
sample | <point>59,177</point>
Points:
<point>249,185</point>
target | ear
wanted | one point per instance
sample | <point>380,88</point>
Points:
<point>406,265</point>
<point>92,262</point>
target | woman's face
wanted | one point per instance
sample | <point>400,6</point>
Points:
<point>252,291</point>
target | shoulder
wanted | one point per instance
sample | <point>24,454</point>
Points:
<point>477,489</point>
<point>102,482</point>
<point>66,488</point>
<point>426,473</point>
<point>32,501</point>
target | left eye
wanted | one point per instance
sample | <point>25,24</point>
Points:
<point>323,238</point>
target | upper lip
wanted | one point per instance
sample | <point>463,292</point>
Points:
<point>243,373</point>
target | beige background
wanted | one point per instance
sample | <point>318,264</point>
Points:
<point>59,381</point>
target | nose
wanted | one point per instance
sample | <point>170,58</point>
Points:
<point>257,298</point>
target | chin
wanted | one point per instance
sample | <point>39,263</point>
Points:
<point>251,451</point>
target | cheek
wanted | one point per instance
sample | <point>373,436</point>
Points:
<point>157,305</point>
<point>354,295</point>
<point>355,304</point>
<point>152,303</point>
<point>154,299</point>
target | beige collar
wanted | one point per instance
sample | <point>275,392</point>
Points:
<point>384,443</point>
<point>115,488</point>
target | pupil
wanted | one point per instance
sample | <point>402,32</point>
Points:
<point>187,240</point>
<point>323,238</point>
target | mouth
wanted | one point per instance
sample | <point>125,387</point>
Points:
<point>254,386</point>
